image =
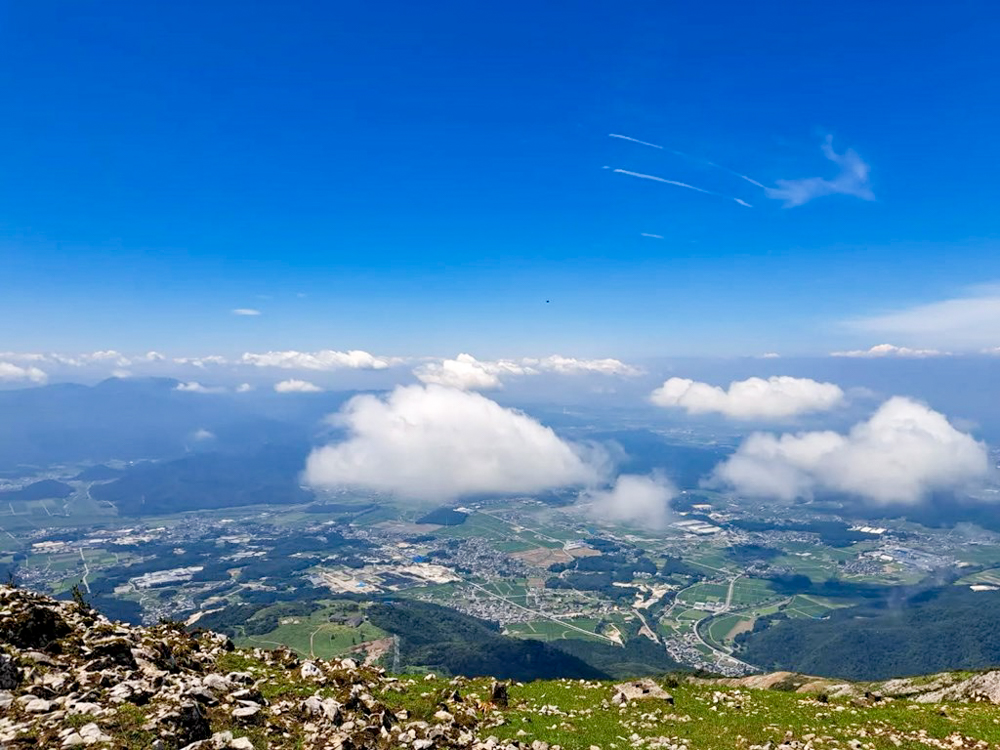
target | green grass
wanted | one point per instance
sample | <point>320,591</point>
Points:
<point>741,718</point>
<point>718,630</point>
<point>704,593</point>
<point>513,546</point>
<point>750,591</point>
<point>547,630</point>
<point>313,636</point>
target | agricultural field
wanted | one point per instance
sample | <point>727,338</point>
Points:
<point>314,636</point>
<point>989,577</point>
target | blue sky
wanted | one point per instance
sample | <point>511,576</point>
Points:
<point>419,178</point>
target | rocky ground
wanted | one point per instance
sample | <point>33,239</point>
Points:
<point>71,678</point>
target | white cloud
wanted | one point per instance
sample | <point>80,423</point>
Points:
<point>904,452</point>
<point>246,311</point>
<point>25,356</point>
<point>326,359</point>
<point>755,398</point>
<point>852,180</point>
<point>10,372</point>
<point>632,499</point>
<point>436,443</point>
<point>121,374</point>
<point>203,435</point>
<point>244,388</point>
<point>969,322</point>
<point>467,373</point>
<point>890,350</point>
<point>109,356</point>
<point>194,386</point>
<point>770,355</point>
<point>201,362</point>
<point>684,185</point>
<point>296,386</point>
<point>570,365</point>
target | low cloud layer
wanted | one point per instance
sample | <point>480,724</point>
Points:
<point>296,386</point>
<point>12,373</point>
<point>969,323</point>
<point>194,386</point>
<point>890,350</point>
<point>435,443</point>
<point>326,359</point>
<point>904,452</point>
<point>632,499</point>
<point>464,372</point>
<point>108,357</point>
<point>851,180</point>
<point>467,373</point>
<point>777,397</point>
<point>569,365</point>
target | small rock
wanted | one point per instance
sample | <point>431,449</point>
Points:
<point>640,690</point>
<point>92,733</point>
<point>310,671</point>
<point>216,682</point>
<point>38,706</point>
<point>246,713</point>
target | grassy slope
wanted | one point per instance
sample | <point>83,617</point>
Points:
<point>579,714</point>
<point>589,719</point>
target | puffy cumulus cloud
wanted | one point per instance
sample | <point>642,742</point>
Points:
<point>467,373</point>
<point>428,442</point>
<point>777,397</point>
<point>194,386</point>
<point>9,372</point>
<point>632,499</point>
<point>246,311</point>
<point>244,388</point>
<point>326,359</point>
<point>296,386</point>
<point>889,350</point>
<point>904,452</point>
<point>202,435</point>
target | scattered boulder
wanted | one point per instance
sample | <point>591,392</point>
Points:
<point>645,689</point>
<point>499,694</point>
<point>10,673</point>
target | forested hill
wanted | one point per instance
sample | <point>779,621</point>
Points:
<point>946,627</point>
